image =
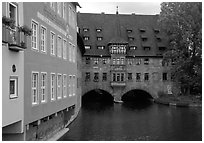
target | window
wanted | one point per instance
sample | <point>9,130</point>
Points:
<point>104,77</point>
<point>64,49</point>
<point>52,43</point>
<point>144,39</point>
<point>101,47</point>
<point>52,86</point>
<point>34,27</point>
<point>122,76</point>
<point>122,61</point>
<point>118,61</point>
<point>130,61</point>
<point>138,61</point>
<point>87,76</point>
<point>59,86</point>
<point>59,8</point>
<point>34,88</point>
<point>73,53</point>
<point>43,39</point>
<point>118,77</point>
<point>146,61</point>
<point>114,77</point>
<point>64,10</point>
<point>96,60</point>
<point>64,85</point>
<point>43,86</point>
<point>133,47</point>
<point>158,39</point>
<point>69,83</point>
<point>70,52</point>
<point>59,47</point>
<point>164,76</point>
<point>131,38</point>
<point>146,76</point>
<point>114,61</point>
<point>87,60</point>
<point>52,5</point>
<point>85,29</point>
<point>162,48</point>
<point>73,85</point>
<point>129,31</point>
<point>99,38</point>
<point>142,30</point>
<point>138,75</point>
<point>156,31</point>
<point>104,61</point>
<point>86,38</point>
<point>87,47</point>
<point>13,12</point>
<point>98,30</point>
<point>129,76</point>
<point>96,77</point>
<point>13,87</point>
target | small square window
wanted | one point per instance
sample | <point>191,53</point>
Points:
<point>99,38</point>
<point>131,38</point>
<point>13,87</point>
<point>98,30</point>
<point>87,47</point>
<point>129,30</point>
<point>85,29</point>
<point>86,38</point>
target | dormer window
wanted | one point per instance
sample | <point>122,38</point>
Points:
<point>133,47</point>
<point>101,47</point>
<point>146,61</point>
<point>131,38</point>
<point>87,47</point>
<point>85,29</point>
<point>142,30</point>
<point>147,48</point>
<point>98,30</point>
<point>86,38</point>
<point>158,39</point>
<point>156,31</point>
<point>99,38</point>
<point>129,31</point>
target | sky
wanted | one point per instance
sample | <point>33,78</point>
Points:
<point>147,8</point>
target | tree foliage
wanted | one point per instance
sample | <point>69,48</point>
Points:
<point>182,21</point>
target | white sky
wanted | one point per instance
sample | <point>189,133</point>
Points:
<point>123,7</point>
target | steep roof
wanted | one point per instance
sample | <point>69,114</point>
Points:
<point>137,30</point>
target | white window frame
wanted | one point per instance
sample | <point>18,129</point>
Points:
<point>52,5</point>
<point>15,94</point>
<point>59,86</point>
<point>73,53</point>
<point>16,12</point>
<point>52,86</point>
<point>69,87</point>
<point>44,87</point>
<point>73,86</point>
<point>43,38</point>
<point>35,88</point>
<point>59,47</point>
<point>35,36</point>
<point>87,47</point>
<point>52,43</point>
<point>70,52</point>
<point>59,6</point>
<point>64,49</point>
<point>64,85</point>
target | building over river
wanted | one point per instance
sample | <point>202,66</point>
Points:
<point>123,53</point>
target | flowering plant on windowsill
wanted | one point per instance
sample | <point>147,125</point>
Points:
<point>26,30</point>
<point>8,22</point>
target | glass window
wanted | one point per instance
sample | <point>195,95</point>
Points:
<point>64,10</point>
<point>146,76</point>
<point>13,87</point>
<point>52,86</point>
<point>114,77</point>
<point>59,47</point>
<point>122,61</point>
<point>59,86</point>
<point>43,39</point>
<point>138,75</point>
<point>87,47</point>
<point>122,76</point>
<point>59,8</point>
<point>52,43</point>
<point>87,76</point>
<point>43,87</point>
<point>34,27</point>
<point>99,38</point>
<point>34,88</point>
<point>13,12</point>
<point>64,85</point>
<point>98,30</point>
<point>96,77</point>
<point>129,76</point>
<point>64,49</point>
<point>70,52</point>
<point>96,60</point>
<point>118,61</point>
<point>86,38</point>
<point>146,61</point>
<point>69,83</point>
<point>52,5</point>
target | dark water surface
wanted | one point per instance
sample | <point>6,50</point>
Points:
<point>135,121</point>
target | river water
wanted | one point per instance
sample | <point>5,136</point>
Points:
<point>131,121</point>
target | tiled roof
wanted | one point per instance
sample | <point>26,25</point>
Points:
<point>122,28</point>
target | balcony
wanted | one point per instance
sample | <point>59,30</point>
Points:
<point>14,37</point>
<point>118,83</point>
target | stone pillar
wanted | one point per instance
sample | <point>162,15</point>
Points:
<point>117,91</point>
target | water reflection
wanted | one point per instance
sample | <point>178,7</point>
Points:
<point>130,121</point>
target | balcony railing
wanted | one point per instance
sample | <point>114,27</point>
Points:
<point>14,37</point>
